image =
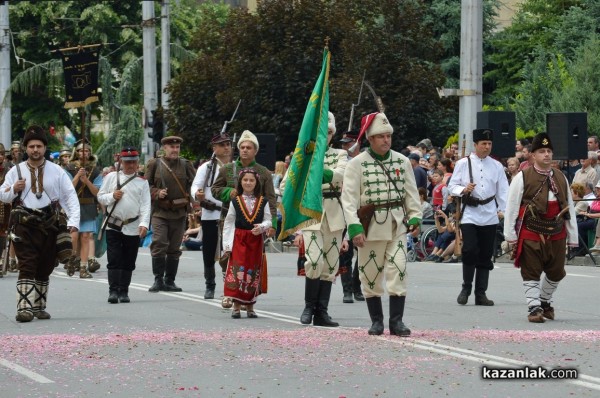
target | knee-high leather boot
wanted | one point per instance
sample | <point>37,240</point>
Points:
<point>311,296</point>
<point>481,284</point>
<point>113,285</point>
<point>170,274</point>
<point>376,314</point>
<point>397,327</point>
<point>321,317</point>
<point>346,278</point>
<point>467,286</point>
<point>158,269</point>
<point>124,281</point>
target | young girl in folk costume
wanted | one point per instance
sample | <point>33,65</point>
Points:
<point>247,219</point>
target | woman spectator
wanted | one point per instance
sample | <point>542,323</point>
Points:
<point>512,168</point>
<point>278,175</point>
<point>446,166</point>
<point>586,220</point>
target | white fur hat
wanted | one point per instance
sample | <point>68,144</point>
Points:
<point>379,125</point>
<point>248,136</point>
<point>331,123</point>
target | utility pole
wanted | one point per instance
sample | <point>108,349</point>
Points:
<point>150,89</point>
<point>471,65</point>
<point>5,105</point>
<point>165,53</point>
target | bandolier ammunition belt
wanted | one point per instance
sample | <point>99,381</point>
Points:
<point>471,201</point>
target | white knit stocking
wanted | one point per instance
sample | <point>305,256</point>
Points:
<point>532,293</point>
<point>548,288</point>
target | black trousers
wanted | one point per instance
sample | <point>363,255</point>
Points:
<point>121,250</point>
<point>210,238</point>
<point>478,245</point>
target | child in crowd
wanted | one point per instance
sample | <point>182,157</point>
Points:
<point>247,219</point>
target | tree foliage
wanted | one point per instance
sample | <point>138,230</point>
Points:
<point>534,26</point>
<point>271,59</point>
<point>40,27</point>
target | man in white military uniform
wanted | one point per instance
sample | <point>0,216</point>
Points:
<point>322,241</point>
<point>383,179</point>
<point>482,184</point>
<point>127,199</point>
<point>211,207</point>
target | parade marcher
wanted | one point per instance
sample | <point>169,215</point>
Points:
<point>349,276</point>
<point>380,190</point>
<point>127,199</point>
<point>64,157</point>
<point>4,214</point>
<point>87,179</point>
<point>37,187</point>
<point>482,184</point>
<point>322,241</point>
<point>540,221</point>
<point>224,187</point>
<point>15,155</point>
<point>211,207</point>
<point>248,218</point>
<point>170,178</point>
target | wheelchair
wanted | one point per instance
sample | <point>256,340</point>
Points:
<point>421,247</point>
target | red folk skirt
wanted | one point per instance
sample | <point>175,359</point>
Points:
<point>245,267</point>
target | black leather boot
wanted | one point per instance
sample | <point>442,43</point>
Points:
<point>158,269</point>
<point>397,327</point>
<point>481,285</point>
<point>467,286</point>
<point>346,278</point>
<point>321,317</point>
<point>209,279</point>
<point>113,286</point>
<point>170,274</point>
<point>125,280</point>
<point>376,314</point>
<point>311,295</point>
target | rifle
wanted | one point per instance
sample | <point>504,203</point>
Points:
<point>380,108</point>
<point>107,215</point>
<point>210,168</point>
<point>458,211</point>
<point>357,102</point>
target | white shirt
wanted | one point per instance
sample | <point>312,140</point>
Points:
<point>491,180</point>
<point>515,194</point>
<point>229,224</point>
<point>57,187</point>
<point>197,184</point>
<point>135,201</point>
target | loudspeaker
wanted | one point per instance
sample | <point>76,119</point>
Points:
<point>503,124</point>
<point>568,133</point>
<point>266,155</point>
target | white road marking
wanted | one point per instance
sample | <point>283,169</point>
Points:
<point>25,372</point>
<point>582,276</point>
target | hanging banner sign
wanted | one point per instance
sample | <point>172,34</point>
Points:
<point>81,77</point>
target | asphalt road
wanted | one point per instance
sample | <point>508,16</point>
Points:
<point>180,345</point>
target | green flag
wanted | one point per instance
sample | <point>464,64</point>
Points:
<point>302,202</point>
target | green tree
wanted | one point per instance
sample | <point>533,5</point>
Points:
<point>38,91</point>
<point>532,27</point>
<point>270,60</point>
<point>542,78</point>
